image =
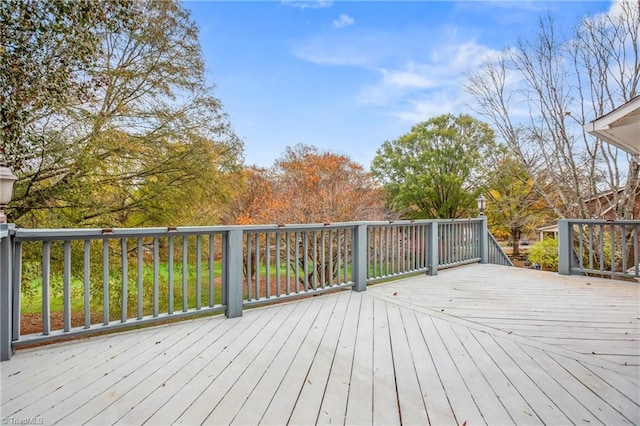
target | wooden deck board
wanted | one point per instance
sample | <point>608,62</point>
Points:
<point>482,344</point>
<point>360,399</point>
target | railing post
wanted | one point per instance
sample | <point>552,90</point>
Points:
<point>432,251</point>
<point>565,240</point>
<point>360,257</point>
<point>484,240</point>
<point>6,294</point>
<point>232,279</point>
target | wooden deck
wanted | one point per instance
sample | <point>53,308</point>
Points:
<point>480,344</point>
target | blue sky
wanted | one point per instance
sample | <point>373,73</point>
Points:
<point>345,76</point>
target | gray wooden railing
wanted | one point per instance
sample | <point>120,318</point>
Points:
<point>94,280</point>
<point>599,247</point>
<point>497,256</point>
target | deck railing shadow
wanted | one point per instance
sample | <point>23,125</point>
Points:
<point>72,282</point>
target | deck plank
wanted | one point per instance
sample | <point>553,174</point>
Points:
<point>336,395</point>
<point>385,398</point>
<point>360,399</point>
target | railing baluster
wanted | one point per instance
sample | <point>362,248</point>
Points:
<point>314,265</point>
<point>346,256</point>
<point>267,263</point>
<point>297,265</point>
<point>185,273</point>
<point>105,281</point>
<point>277,236</point>
<point>211,269</point>
<point>16,280</point>
<point>612,240</point>
<point>249,272</point>
<point>86,283</point>
<point>623,238</point>
<point>591,254</point>
<point>199,272</point>
<point>170,276</point>
<point>156,277</point>
<point>338,255</point>
<point>257,264</point>
<point>635,250</point>
<point>331,234</point>
<point>288,260</point>
<point>323,274</point>
<point>124,311</point>
<point>46,301</point>
<point>66,288</point>
<point>305,263</point>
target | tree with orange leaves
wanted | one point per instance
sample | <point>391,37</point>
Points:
<point>307,185</point>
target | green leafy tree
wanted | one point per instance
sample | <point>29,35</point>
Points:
<point>514,205</point>
<point>434,170</point>
<point>146,141</point>
<point>46,47</point>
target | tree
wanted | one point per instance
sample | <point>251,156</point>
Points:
<point>306,185</point>
<point>434,170</point>
<point>514,206</point>
<point>146,141</point>
<point>540,93</point>
<point>46,46</point>
<point>252,198</point>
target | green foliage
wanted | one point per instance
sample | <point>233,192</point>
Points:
<point>433,171</point>
<point>514,205</point>
<point>545,254</point>
<point>46,47</point>
<point>135,146</point>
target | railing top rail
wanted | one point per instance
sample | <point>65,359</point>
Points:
<point>420,221</point>
<point>98,233</point>
<point>300,226</point>
<point>24,234</point>
<point>601,221</point>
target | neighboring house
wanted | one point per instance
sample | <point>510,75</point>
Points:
<point>548,230</point>
<point>604,203</point>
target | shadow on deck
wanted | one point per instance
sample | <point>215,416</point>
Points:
<point>481,344</point>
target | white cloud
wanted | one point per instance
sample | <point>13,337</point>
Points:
<point>343,21</point>
<point>414,76</point>
<point>307,4</point>
<point>422,109</point>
